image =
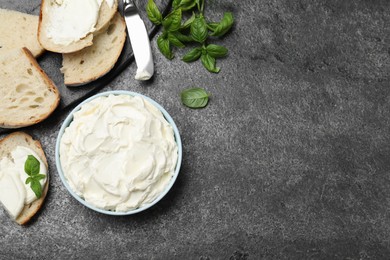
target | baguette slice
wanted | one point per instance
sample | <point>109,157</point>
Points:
<point>7,145</point>
<point>47,43</point>
<point>91,63</point>
<point>105,15</point>
<point>19,30</point>
<point>27,95</point>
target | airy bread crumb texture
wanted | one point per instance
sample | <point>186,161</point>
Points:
<point>19,30</point>
<point>27,95</point>
<point>106,14</point>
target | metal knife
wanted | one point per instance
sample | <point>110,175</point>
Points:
<point>139,40</point>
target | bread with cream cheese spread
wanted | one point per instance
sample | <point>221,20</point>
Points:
<point>19,30</point>
<point>27,95</point>
<point>105,15</point>
<point>95,61</point>
<point>7,145</point>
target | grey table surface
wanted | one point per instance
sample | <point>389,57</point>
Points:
<point>290,159</point>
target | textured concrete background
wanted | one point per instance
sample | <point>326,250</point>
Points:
<point>290,160</point>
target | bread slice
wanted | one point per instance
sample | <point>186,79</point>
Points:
<point>95,61</point>
<point>27,95</point>
<point>46,42</point>
<point>19,30</point>
<point>105,15</point>
<point>7,145</point>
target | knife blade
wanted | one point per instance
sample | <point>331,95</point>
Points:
<point>139,40</point>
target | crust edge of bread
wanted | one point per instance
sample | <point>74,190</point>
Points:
<point>30,210</point>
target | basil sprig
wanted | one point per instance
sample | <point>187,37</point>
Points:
<point>195,30</point>
<point>32,168</point>
<point>194,97</point>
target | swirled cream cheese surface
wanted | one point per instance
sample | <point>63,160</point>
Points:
<point>14,192</point>
<point>119,152</point>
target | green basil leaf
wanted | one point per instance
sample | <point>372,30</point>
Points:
<point>154,14</point>
<point>175,41</point>
<point>172,22</point>
<point>199,30</point>
<point>31,166</point>
<point>36,188</point>
<point>225,25</point>
<point>39,177</point>
<point>176,3</point>
<point>212,26</point>
<point>28,180</point>
<point>164,47</point>
<point>192,55</point>
<point>209,63</point>
<point>194,97</point>
<point>186,5</point>
<point>183,37</point>
<point>188,23</point>
<point>216,51</point>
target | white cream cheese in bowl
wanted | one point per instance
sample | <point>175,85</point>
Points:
<point>14,192</point>
<point>118,152</point>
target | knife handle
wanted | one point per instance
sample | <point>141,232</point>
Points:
<point>139,40</point>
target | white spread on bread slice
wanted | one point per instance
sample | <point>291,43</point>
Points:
<point>19,30</point>
<point>14,151</point>
<point>95,61</point>
<point>27,95</point>
<point>67,26</point>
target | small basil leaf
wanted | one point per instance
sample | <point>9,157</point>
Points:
<point>192,55</point>
<point>175,41</point>
<point>225,25</point>
<point>39,177</point>
<point>199,30</point>
<point>28,180</point>
<point>164,47</point>
<point>194,97</point>
<point>183,37</point>
<point>209,63</point>
<point>31,166</point>
<point>36,188</point>
<point>173,21</point>
<point>212,26</point>
<point>188,23</point>
<point>154,14</point>
<point>216,51</point>
<point>186,5</point>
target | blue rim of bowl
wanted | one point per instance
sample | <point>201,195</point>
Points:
<point>69,119</point>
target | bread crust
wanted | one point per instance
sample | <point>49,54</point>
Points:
<point>7,144</point>
<point>50,84</point>
<point>52,88</point>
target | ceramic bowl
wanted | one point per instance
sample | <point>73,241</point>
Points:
<point>69,119</point>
